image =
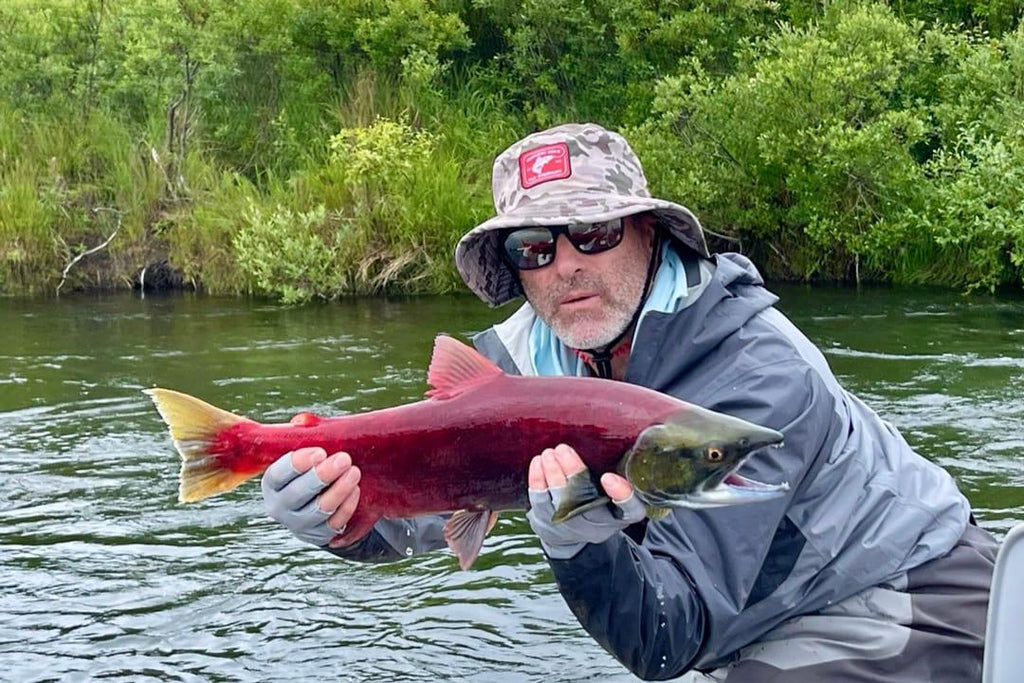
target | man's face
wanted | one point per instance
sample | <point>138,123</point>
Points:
<point>588,300</point>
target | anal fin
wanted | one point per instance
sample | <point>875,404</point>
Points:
<point>465,532</point>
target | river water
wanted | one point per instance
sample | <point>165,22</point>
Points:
<point>104,576</point>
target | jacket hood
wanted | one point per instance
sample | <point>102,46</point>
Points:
<point>735,294</point>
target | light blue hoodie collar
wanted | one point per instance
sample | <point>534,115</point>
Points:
<point>550,356</point>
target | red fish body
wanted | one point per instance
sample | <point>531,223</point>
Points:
<point>470,451</point>
<point>465,449</point>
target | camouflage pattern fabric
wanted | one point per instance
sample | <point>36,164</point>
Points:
<point>574,173</point>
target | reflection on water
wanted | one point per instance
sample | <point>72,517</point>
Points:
<point>104,575</point>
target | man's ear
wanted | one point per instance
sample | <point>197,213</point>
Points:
<point>645,224</point>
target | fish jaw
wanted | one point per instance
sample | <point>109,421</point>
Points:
<point>734,489</point>
<point>690,460</point>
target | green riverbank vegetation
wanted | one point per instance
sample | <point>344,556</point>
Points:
<point>319,148</point>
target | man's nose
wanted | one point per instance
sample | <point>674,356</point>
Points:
<point>567,259</point>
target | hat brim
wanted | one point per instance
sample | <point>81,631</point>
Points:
<point>478,254</point>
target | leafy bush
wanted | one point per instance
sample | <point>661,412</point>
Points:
<point>994,16</point>
<point>974,214</point>
<point>849,139</point>
<point>597,60</point>
<point>383,214</point>
<point>839,150</point>
<point>285,253</point>
<point>799,154</point>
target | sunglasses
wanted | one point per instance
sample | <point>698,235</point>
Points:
<point>531,248</point>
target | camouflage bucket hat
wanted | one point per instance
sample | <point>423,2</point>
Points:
<point>576,173</point>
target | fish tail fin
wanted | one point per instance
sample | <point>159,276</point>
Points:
<point>194,426</point>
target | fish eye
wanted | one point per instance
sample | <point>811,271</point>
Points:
<point>715,454</point>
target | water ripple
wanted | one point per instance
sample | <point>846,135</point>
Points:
<point>103,575</point>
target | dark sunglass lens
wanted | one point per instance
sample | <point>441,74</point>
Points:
<point>593,238</point>
<point>529,248</point>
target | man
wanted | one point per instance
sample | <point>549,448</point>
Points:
<point>870,568</point>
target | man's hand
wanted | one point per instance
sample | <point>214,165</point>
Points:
<point>548,474</point>
<point>311,494</point>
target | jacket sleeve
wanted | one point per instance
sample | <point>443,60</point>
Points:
<point>642,608</point>
<point>396,539</point>
<point>661,605</point>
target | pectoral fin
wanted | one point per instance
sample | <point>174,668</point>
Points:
<point>655,513</point>
<point>581,494</point>
<point>465,532</point>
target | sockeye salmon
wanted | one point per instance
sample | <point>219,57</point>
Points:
<point>466,448</point>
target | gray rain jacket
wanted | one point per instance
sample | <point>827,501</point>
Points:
<point>862,507</point>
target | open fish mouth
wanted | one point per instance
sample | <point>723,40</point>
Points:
<point>741,483</point>
<point>733,489</point>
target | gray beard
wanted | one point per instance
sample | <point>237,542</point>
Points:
<point>598,338</point>
<point>574,330</point>
<point>622,291</point>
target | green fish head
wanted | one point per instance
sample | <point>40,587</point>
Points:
<point>690,460</point>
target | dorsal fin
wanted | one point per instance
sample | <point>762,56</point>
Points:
<point>455,367</point>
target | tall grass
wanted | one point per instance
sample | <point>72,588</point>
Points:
<point>376,204</point>
<point>65,186</point>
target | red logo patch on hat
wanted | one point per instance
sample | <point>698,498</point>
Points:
<point>541,164</point>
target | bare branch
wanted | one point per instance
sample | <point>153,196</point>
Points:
<point>722,236</point>
<point>780,255</point>
<point>70,265</point>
